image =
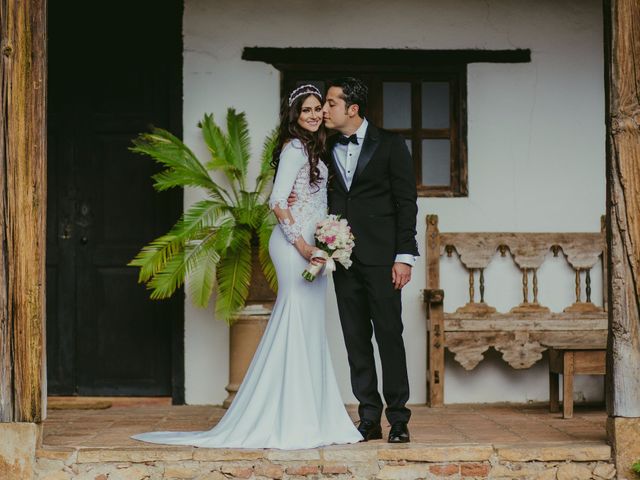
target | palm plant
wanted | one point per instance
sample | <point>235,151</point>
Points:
<point>212,242</point>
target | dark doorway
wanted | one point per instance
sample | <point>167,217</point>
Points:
<point>115,69</point>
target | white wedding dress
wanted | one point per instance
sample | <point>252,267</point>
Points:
<point>289,398</point>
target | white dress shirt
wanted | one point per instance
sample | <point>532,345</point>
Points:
<point>347,160</point>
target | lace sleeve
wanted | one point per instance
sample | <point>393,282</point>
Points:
<point>292,159</point>
<point>291,230</point>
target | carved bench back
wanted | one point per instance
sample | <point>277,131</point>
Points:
<point>582,252</point>
<point>524,332</point>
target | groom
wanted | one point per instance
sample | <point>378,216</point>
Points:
<point>373,186</point>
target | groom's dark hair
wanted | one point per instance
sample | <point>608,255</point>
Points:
<point>354,92</point>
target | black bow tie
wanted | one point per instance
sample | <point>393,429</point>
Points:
<point>344,140</point>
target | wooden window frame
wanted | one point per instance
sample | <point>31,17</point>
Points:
<point>456,133</point>
<point>455,76</point>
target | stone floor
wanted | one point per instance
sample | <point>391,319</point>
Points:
<point>493,424</point>
<point>88,439</point>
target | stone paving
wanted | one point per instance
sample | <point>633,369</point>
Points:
<point>452,424</point>
<point>461,442</point>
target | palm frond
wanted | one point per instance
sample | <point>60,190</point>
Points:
<point>248,211</point>
<point>169,278</point>
<point>266,170</point>
<point>234,275</point>
<point>202,277</point>
<point>183,169</point>
<point>154,256</point>
<point>217,143</point>
<point>163,147</point>
<point>212,135</point>
<point>172,276</point>
<point>264,234</point>
<point>261,213</point>
<point>201,215</point>
<point>238,145</point>
<point>225,234</point>
<point>171,178</point>
<point>195,222</point>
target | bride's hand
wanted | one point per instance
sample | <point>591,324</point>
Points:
<point>318,260</point>
<point>307,252</point>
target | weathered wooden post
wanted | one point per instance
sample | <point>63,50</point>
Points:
<point>22,231</point>
<point>622,64</point>
<point>434,298</point>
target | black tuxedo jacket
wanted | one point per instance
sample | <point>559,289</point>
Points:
<point>381,204</point>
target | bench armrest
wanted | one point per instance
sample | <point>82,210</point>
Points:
<point>433,296</point>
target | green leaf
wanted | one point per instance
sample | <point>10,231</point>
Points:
<point>217,143</point>
<point>172,276</point>
<point>234,276</point>
<point>194,223</point>
<point>248,211</point>
<point>261,213</point>
<point>238,145</point>
<point>164,147</point>
<point>212,135</point>
<point>264,234</point>
<point>154,256</point>
<point>203,274</point>
<point>225,235</point>
<point>183,169</point>
<point>266,170</point>
<point>202,215</point>
<point>169,278</point>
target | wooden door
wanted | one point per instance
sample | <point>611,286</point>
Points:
<point>115,69</point>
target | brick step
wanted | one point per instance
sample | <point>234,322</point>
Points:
<point>551,460</point>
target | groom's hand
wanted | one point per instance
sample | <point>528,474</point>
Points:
<point>292,199</point>
<point>400,275</point>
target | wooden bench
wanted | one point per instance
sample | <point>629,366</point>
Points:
<point>528,329</point>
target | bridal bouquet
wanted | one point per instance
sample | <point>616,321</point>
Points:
<point>335,243</point>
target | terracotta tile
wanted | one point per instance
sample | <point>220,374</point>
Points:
<point>451,424</point>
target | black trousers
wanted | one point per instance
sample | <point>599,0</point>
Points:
<point>368,304</point>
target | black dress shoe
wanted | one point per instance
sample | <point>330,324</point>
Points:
<point>399,433</point>
<point>370,430</point>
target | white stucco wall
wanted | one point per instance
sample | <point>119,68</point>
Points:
<point>535,140</point>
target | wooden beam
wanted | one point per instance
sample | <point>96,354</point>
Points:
<point>622,78</point>
<point>354,57</point>
<point>434,297</point>
<point>623,205</point>
<point>22,209</point>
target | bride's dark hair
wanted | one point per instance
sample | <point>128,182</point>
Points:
<point>314,143</point>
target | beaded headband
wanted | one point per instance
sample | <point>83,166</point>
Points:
<point>303,90</point>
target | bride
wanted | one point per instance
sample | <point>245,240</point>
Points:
<point>289,398</point>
